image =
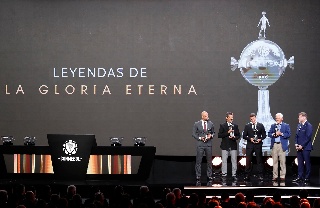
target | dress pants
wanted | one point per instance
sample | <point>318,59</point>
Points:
<point>278,155</point>
<point>224,155</point>
<point>200,151</point>
<point>249,152</point>
<point>304,164</point>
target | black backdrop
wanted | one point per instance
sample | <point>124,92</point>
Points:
<point>187,43</point>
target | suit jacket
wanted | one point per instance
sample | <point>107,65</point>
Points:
<point>198,131</point>
<point>285,129</point>
<point>303,135</point>
<point>226,142</point>
<point>248,134</point>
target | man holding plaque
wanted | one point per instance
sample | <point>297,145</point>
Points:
<point>203,132</point>
<point>279,134</point>
<point>254,133</point>
<point>229,133</point>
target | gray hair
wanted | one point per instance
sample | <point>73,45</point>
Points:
<point>279,114</point>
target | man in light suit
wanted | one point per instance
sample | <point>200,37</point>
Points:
<point>254,133</point>
<point>203,132</point>
<point>303,146</point>
<point>279,134</point>
<point>229,132</point>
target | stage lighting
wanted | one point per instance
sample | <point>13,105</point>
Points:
<point>29,141</point>
<point>294,166</point>
<point>116,141</point>
<point>216,164</point>
<point>268,164</point>
<point>242,163</point>
<point>139,141</point>
<point>7,140</point>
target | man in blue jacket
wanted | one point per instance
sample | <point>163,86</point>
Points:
<point>279,134</point>
<point>303,146</point>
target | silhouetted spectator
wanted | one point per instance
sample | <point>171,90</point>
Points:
<point>145,197</point>
<point>54,201</point>
<point>303,194</point>
<point>41,203</point>
<point>184,202</point>
<point>249,197</point>
<point>242,205</point>
<point>30,200</point>
<point>76,201</point>
<point>316,203</point>
<point>178,194</point>
<point>239,197</point>
<point>171,200</point>
<point>99,197</point>
<point>63,203</point>
<point>45,194</point>
<point>163,199</point>
<point>225,200</point>
<point>277,197</point>
<point>193,200</point>
<point>213,203</point>
<point>202,203</point>
<point>3,199</point>
<point>305,205</point>
<point>251,204</point>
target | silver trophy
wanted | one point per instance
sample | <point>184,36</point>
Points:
<point>139,141</point>
<point>29,141</point>
<point>7,140</point>
<point>262,62</point>
<point>255,136</point>
<point>232,132</point>
<point>275,130</point>
<point>116,141</point>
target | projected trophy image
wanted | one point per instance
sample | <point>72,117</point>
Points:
<point>261,63</point>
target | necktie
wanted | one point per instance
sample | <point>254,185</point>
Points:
<point>205,126</point>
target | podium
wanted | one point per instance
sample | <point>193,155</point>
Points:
<point>70,155</point>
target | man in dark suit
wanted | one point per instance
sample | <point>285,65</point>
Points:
<point>279,134</point>
<point>254,133</point>
<point>303,146</point>
<point>229,132</point>
<point>203,132</point>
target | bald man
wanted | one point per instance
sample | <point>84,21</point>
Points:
<point>203,132</point>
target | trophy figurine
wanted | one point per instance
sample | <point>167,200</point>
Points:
<point>206,137</point>
<point>255,136</point>
<point>275,131</point>
<point>232,132</point>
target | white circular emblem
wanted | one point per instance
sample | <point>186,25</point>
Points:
<point>70,147</point>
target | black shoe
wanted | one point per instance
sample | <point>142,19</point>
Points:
<point>247,178</point>
<point>297,180</point>
<point>198,182</point>
<point>306,180</point>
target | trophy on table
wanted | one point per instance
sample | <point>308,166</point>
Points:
<point>7,140</point>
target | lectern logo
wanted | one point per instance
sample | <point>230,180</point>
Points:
<point>70,147</point>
